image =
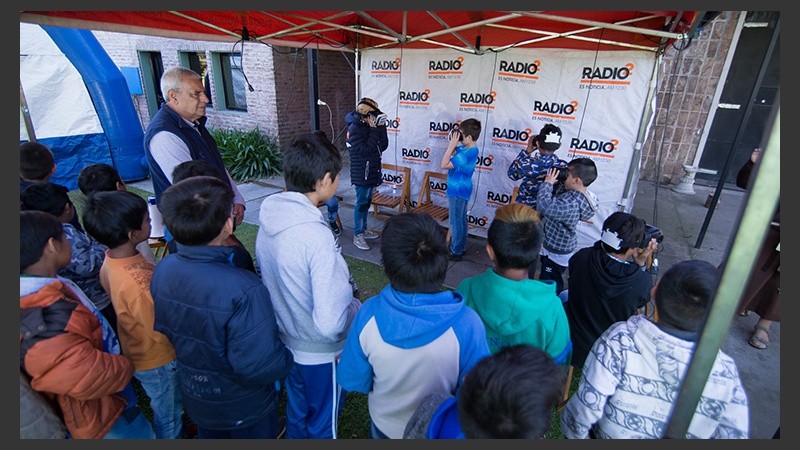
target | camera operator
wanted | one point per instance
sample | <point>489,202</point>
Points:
<point>609,281</point>
<point>366,141</point>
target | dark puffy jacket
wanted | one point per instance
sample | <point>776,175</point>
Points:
<point>365,145</point>
<point>61,348</point>
<point>220,320</point>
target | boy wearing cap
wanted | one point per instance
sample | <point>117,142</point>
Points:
<point>366,140</point>
<point>532,164</point>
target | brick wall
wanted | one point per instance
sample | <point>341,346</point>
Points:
<point>687,83</point>
<point>336,81</point>
<point>269,71</point>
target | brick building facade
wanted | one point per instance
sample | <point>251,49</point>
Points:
<point>278,104</point>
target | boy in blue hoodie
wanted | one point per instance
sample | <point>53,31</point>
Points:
<point>412,339</point>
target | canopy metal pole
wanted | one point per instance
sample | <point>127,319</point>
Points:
<point>313,88</point>
<point>26,114</point>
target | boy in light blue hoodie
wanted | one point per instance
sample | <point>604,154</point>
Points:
<point>412,339</point>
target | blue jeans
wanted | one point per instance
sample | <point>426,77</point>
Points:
<point>132,424</point>
<point>166,400</point>
<point>333,208</point>
<point>458,225</point>
<point>361,208</point>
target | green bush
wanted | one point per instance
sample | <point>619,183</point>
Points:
<point>248,155</point>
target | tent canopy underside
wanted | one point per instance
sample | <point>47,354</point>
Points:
<point>469,31</point>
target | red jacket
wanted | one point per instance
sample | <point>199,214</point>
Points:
<point>61,348</point>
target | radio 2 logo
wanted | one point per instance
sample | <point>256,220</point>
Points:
<point>441,129</point>
<point>594,147</point>
<point>446,69</point>
<point>485,162</point>
<point>416,155</point>
<point>497,199</point>
<point>386,67</point>
<point>414,99</point>
<point>393,179</point>
<point>555,110</point>
<point>474,101</point>
<point>518,71</point>
<point>606,78</point>
<point>474,221</point>
<point>509,137</point>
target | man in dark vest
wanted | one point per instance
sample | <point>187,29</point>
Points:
<point>177,134</point>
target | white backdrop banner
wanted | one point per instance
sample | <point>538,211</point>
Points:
<point>596,98</point>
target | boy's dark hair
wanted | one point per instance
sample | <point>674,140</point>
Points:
<point>583,168</point>
<point>35,229</point>
<point>470,127</point>
<point>623,229</point>
<point>510,395</point>
<point>48,197</point>
<point>414,253</point>
<point>684,294</point>
<point>109,216</point>
<point>98,177</point>
<point>193,168</point>
<point>195,210</point>
<point>515,236</point>
<point>35,161</point>
<point>307,160</point>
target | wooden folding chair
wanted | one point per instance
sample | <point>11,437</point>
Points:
<point>159,247</point>
<point>389,200</point>
<point>426,205</point>
<point>424,202</point>
<point>565,393</point>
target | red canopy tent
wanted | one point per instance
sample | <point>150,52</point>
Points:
<point>470,31</point>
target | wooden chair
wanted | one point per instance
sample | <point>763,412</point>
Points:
<point>159,247</point>
<point>403,201</point>
<point>424,202</point>
<point>565,393</point>
<point>426,205</point>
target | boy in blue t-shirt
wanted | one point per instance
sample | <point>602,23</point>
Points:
<point>460,161</point>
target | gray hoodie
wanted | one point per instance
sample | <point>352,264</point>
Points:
<point>306,275</point>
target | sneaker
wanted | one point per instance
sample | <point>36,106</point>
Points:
<point>454,257</point>
<point>358,241</point>
<point>370,235</point>
<point>335,228</point>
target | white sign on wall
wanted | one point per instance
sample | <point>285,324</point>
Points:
<point>596,98</point>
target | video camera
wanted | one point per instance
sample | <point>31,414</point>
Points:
<point>651,232</point>
<point>380,119</point>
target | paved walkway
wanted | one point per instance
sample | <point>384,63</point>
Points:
<point>680,218</point>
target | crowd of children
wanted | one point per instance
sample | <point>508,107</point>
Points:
<point>210,337</point>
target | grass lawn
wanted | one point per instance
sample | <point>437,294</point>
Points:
<point>354,419</point>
